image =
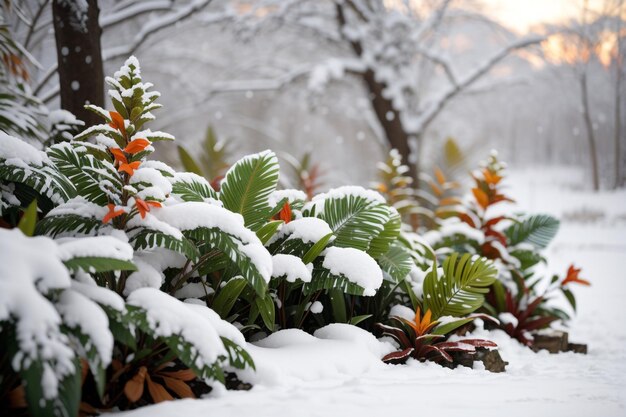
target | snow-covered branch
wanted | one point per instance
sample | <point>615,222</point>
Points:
<point>134,10</point>
<point>419,124</point>
<point>154,26</point>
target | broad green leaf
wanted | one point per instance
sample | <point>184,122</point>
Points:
<point>228,295</point>
<point>268,230</point>
<point>188,162</point>
<point>29,219</point>
<point>446,328</point>
<point>247,186</point>
<point>338,304</point>
<point>93,264</point>
<point>316,249</point>
<point>358,319</point>
<point>461,288</point>
<point>267,310</point>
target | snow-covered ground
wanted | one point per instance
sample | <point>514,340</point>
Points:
<point>320,377</point>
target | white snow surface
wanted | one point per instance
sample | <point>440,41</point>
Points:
<point>307,229</point>
<point>312,378</point>
<point>291,267</point>
<point>357,266</point>
<point>168,316</point>
<point>15,150</point>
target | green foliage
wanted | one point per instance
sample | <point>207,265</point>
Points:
<point>462,287</point>
<point>29,219</point>
<point>247,186</point>
<point>356,221</point>
<point>537,230</point>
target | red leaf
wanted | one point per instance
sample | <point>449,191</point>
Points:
<point>397,357</point>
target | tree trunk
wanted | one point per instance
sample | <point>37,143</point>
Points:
<point>388,117</point>
<point>618,103</point>
<point>593,154</point>
<point>81,76</point>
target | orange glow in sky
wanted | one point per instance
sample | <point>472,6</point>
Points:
<point>521,15</point>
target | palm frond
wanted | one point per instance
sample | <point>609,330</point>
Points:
<point>537,230</point>
<point>462,287</point>
<point>247,186</point>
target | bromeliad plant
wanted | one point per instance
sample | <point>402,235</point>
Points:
<point>450,296</point>
<point>515,243</point>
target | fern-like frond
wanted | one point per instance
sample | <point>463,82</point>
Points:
<point>461,288</point>
<point>247,186</point>
<point>93,179</point>
<point>537,230</point>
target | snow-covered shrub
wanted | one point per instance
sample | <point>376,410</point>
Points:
<point>48,320</point>
<point>514,241</point>
<point>99,187</point>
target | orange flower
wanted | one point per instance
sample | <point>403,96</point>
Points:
<point>117,122</point>
<point>572,276</point>
<point>129,168</point>
<point>491,178</point>
<point>112,213</point>
<point>285,213</point>
<point>137,145</point>
<point>119,156</point>
<point>144,206</point>
<point>481,197</point>
<point>421,325</point>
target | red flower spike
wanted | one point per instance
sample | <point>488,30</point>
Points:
<point>137,145</point>
<point>117,122</point>
<point>572,276</point>
<point>112,213</point>
<point>129,168</point>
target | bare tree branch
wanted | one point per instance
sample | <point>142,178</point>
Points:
<point>427,117</point>
<point>134,11</point>
<point>153,27</point>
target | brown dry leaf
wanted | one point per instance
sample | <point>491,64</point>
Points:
<point>17,398</point>
<point>179,387</point>
<point>157,391</point>
<point>134,387</point>
<point>84,370</point>
<point>183,374</point>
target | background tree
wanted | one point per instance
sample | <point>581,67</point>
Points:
<point>79,57</point>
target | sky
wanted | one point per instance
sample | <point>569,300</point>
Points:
<point>520,15</point>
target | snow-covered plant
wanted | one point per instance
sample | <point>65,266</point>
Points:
<point>515,243</point>
<point>422,208</point>
<point>423,338</point>
<point>341,244</point>
<point>101,186</point>
<point>49,320</point>
<point>21,113</point>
